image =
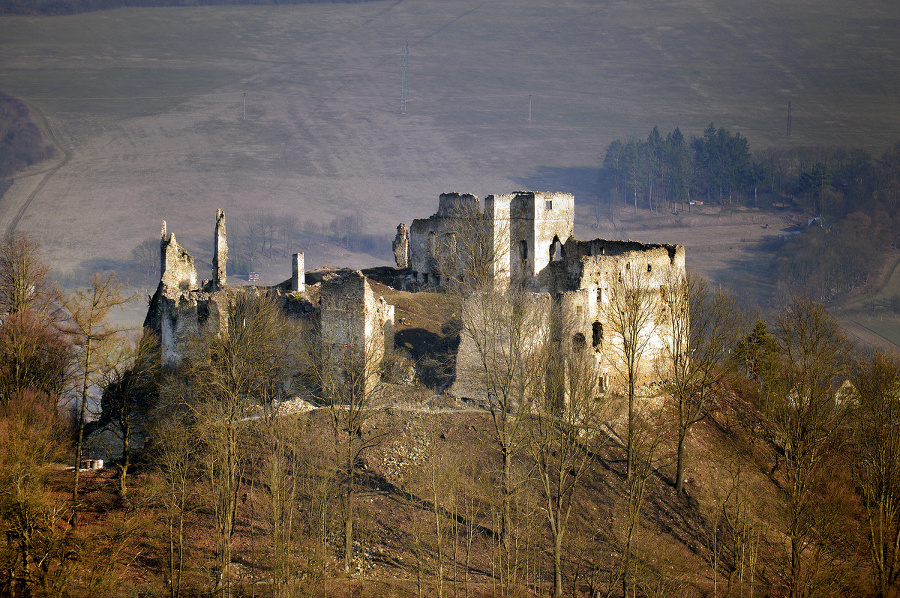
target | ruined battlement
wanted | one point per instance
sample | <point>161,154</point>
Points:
<point>532,241</point>
<point>343,306</point>
<point>177,269</point>
<point>455,204</point>
<point>522,229</point>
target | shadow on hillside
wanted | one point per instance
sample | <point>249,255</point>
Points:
<point>581,181</point>
<point>751,279</point>
<point>434,354</point>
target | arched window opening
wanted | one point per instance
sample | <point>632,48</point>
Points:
<point>578,342</point>
<point>557,251</point>
<point>523,250</point>
<point>649,267</point>
<point>597,330</point>
<point>599,295</point>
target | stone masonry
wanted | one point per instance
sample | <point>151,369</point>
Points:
<point>534,244</point>
<point>343,306</point>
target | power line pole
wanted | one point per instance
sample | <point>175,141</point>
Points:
<point>789,120</point>
<point>529,107</point>
<point>245,105</point>
<point>404,77</point>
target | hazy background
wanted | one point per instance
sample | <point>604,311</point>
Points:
<point>147,106</point>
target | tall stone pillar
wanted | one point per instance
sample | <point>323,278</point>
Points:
<point>220,257</point>
<point>401,246</point>
<point>298,273</point>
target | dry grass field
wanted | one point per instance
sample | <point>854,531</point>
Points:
<point>147,108</point>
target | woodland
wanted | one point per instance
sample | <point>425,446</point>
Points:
<point>767,461</point>
<point>850,195</point>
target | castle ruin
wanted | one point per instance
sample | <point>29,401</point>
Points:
<point>531,242</point>
<point>524,240</point>
<point>343,306</point>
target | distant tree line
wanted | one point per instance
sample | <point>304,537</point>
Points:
<point>856,198</point>
<point>21,142</point>
<point>68,7</point>
<point>660,173</point>
<point>851,197</point>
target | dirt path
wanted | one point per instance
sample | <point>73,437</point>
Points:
<point>67,155</point>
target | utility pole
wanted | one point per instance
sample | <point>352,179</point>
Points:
<point>789,120</point>
<point>404,77</point>
<point>529,107</point>
<point>245,105</point>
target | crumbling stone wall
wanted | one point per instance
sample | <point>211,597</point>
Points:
<point>182,309</point>
<point>526,230</point>
<point>585,281</point>
<point>532,236</point>
<point>400,246</point>
<point>177,269</point>
<point>356,325</point>
<point>431,239</point>
<point>220,252</point>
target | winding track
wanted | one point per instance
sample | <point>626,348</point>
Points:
<point>67,155</point>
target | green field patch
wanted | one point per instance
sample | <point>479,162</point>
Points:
<point>886,328</point>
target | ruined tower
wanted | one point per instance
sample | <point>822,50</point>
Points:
<point>298,273</point>
<point>220,256</point>
<point>176,265</point>
<point>400,246</point>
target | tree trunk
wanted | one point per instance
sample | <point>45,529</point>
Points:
<point>796,590</point>
<point>126,459</point>
<point>557,565</point>
<point>348,521</point>
<point>79,444</point>
<point>679,466</point>
<point>506,524</point>
<point>630,448</point>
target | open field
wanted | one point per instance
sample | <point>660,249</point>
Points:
<point>147,106</point>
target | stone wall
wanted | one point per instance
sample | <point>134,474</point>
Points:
<point>524,230</point>
<point>181,309</point>
<point>590,278</point>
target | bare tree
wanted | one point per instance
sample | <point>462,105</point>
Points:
<point>34,356</point>
<point>499,353</point>
<point>23,275</point>
<point>91,332</point>
<point>130,387</point>
<point>145,258</point>
<point>563,429</point>
<point>175,452</point>
<point>646,439</point>
<point>232,374</point>
<point>804,415</point>
<point>288,225</point>
<point>703,326</point>
<point>469,254</point>
<point>345,365</point>
<point>631,314</point>
<point>503,327</point>
<point>876,463</point>
<point>32,439</point>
